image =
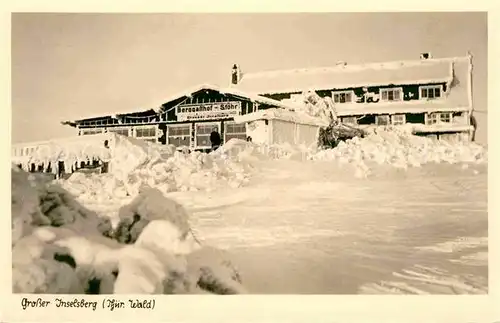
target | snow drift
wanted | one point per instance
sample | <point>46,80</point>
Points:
<point>136,163</point>
<point>393,147</point>
<point>398,148</point>
<point>58,246</point>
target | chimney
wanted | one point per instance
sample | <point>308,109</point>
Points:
<point>236,74</point>
<point>424,56</point>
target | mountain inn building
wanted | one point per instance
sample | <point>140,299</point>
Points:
<point>434,95</point>
<point>186,119</point>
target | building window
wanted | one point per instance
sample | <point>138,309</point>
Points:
<point>203,131</point>
<point>91,131</point>
<point>415,118</point>
<point>342,97</point>
<point>430,92</point>
<point>398,119</point>
<point>439,117</point>
<point>146,133</point>
<point>349,120</point>
<point>179,135</point>
<point>445,117</point>
<point>120,131</point>
<point>432,118</point>
<point>391,94</point>
<point>234,130</point>
<point>382,120</point>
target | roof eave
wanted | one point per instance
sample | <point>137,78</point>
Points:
<point>69,123</point>
<point>446,80</point>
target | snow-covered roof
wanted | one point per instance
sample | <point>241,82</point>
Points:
<point>345,76</point>
<point>67,140</point>
<point>280,114</point>
<point>227,90</point>
<point>188,93</point>
<point>50,149</point>
<point>114,114</point>
<point>417,106</point>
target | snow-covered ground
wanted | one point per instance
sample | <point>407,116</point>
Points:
<point>390,213</point>
<point>312,228</point>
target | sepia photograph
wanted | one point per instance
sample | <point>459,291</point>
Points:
<point>249,153</point>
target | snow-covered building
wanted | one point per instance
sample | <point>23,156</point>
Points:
<point>281,126</point>
<point>435,95</point>
<point>185,119</point>
<point>75,151</point>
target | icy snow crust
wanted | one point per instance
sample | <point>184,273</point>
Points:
<point>60,246</point>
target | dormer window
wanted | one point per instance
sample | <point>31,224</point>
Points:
<point>394,94</point>
<point>430,92</point>
<point>342,96</point>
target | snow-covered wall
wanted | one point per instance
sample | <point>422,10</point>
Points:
<point>258,130</point>
<point>280,126</point>
<point>306,134</point>
<point>282,132</point>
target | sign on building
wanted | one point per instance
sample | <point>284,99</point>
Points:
<point>207,111</point>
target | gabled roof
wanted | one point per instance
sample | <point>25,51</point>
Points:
<point>228,90</point>
<point>185,94</point>
<point>344,76</point>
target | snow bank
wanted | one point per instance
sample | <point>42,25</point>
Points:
<point>245,154</point>
<point>58,246</point>
<point>36,202</point>
<point>136,163</point>
<point>398,148</point>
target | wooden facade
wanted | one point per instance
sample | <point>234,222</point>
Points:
<point>186,120</point>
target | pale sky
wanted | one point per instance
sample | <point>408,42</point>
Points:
<point>71,66</point>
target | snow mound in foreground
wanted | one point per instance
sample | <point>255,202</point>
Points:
<point>58,246</point>
<point>399,148</point>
